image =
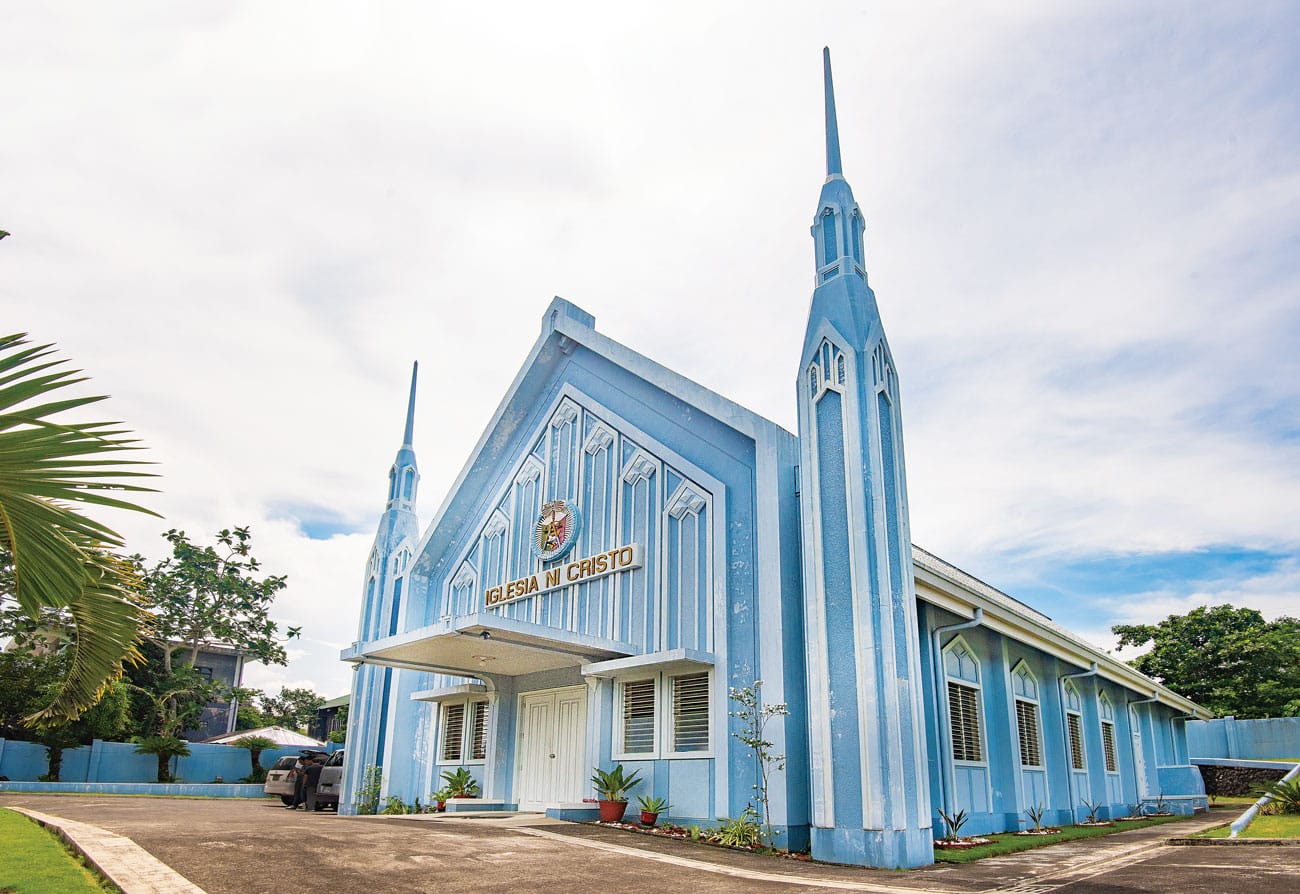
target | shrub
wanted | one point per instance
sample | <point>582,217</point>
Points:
<point>1285,796</point>
<point>744,831</point>
<point>952,824</point>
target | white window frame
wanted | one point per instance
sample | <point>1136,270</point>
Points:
<point>619,752</point>
<point>466,732</point>
<point>981,728</point>
<point>1106,718</point>
<point>1070,694</point>
<point>1025,672</point>
<point>664,720</point>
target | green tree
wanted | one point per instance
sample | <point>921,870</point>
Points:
<point>203,596</point>
<point>255,745</point>
<point>32,671</point>
<point>213,595</point>
<point>248,715</point>
<point>292,708</point>
<point>164,748</point>
<point>61,559</point>
<point>1228,659</point>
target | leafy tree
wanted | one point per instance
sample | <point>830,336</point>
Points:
<point>340,735</point>
<point>292,708</point>
<point>61,559</point>
<point>1228,659</point>
<point>164,748</point>
<point>32,671</point>
<point>106,719</point>
<point>203,596</point>
<point>247,715</point>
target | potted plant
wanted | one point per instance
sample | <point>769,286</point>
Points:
<point>460,784</point>
<point>651,807</point>
<point>439,799</point>
<point>612,787</point>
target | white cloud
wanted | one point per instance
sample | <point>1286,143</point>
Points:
<point>245,222</point>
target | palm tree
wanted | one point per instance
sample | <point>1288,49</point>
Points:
<point>63,560</point>
<point>255,745</point>
<point>166,748</point>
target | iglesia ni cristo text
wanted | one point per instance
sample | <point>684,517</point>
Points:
<point>624,545</point>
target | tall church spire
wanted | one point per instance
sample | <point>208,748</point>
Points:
<point>404,476</point>
<point>410,408</point>
<point>871,801</point>
<point>833,165</point>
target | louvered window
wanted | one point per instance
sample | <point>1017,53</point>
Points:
<point>1031,752</point>
<point>1108,746</point>
<point>963,716</point>
<point>453,732</point>
<point>639,717</point>
<point>690,712</point>
<point>478,731</point>
<point>1074,725</point>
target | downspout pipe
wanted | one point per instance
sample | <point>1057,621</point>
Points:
<point>1139,781</point>
<point>1065,733</point>
<point>946,781</point>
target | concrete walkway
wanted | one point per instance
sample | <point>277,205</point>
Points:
<point>255,847</point>
<point>118,859</point>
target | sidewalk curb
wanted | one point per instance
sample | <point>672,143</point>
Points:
<point>119,859</point>
<point>1234,842</point>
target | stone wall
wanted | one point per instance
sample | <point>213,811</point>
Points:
<point>1237,780</point>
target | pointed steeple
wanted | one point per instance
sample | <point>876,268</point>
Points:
<point>871,801</point>
<point>842,295</point>
<point>410,408</point>
<point>404,477</point>
<point>833,165</point>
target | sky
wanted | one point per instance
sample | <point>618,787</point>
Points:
<point>246,220</point>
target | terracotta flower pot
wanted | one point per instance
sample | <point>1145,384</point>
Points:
<point>648,818</point>
<point>612,811</point>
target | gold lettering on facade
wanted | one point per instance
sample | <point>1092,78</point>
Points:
<point>623,558</point>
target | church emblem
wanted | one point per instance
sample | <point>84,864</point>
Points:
<point>556,530</point>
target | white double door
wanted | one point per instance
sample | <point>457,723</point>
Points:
<point>552,759</point>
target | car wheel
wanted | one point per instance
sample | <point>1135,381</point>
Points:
<point>286,800</point>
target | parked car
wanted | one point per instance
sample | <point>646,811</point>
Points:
<point>331,782</point>
<point>283,775</point>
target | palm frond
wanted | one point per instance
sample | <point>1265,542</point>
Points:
<point>61,558</point>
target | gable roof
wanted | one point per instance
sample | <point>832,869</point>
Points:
<point>564,326</point>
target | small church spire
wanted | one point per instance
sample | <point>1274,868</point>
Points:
<point>833,165</point>
<point>410,409</point>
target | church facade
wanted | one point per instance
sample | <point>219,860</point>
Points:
<point>624,548</point>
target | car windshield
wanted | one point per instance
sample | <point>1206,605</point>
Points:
<point>285,763</point>
<point>336,759</point>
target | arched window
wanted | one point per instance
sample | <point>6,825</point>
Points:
<point>1074,726</point>
<point>1028,722</point>
<point>1107,711</point>
<point>963,671</point>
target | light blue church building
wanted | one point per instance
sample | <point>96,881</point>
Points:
<point>624,545</point>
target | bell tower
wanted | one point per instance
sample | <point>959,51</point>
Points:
<point>382,603</point>
<point>870,791</point>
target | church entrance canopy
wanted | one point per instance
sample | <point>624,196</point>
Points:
<point>485,643</point>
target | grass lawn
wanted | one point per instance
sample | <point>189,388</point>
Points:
<point>1283,826</point>
<point>1242,801</point>
<point>1010,842</point>
<point>32,861</point>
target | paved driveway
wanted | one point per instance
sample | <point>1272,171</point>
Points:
<point>253,847</point>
